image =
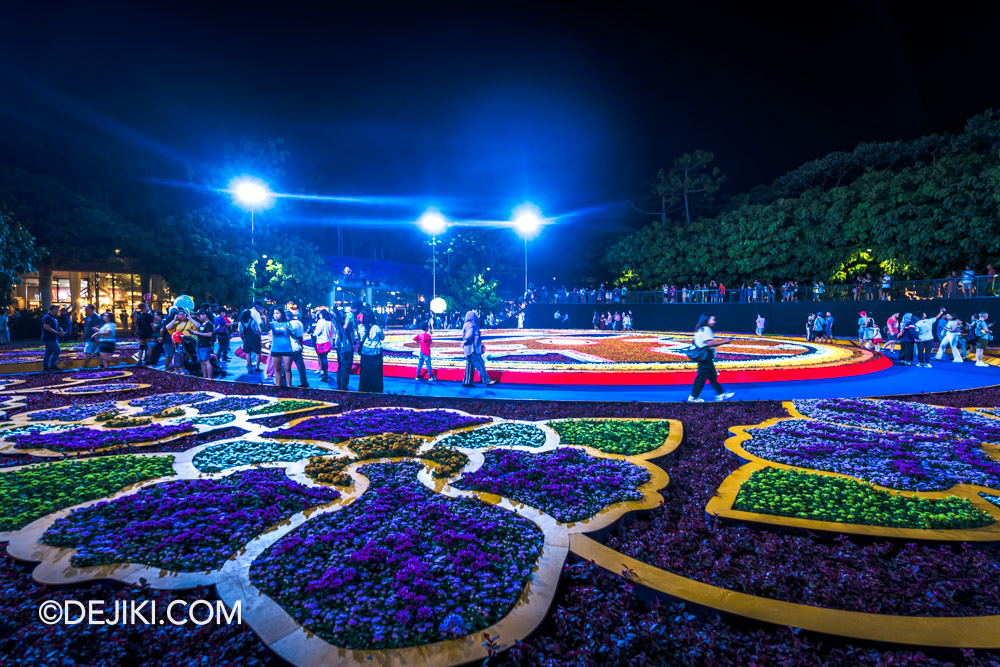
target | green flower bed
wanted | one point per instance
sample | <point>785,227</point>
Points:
<point>30,493</point>
<point>287,405</point>
<point>615,436</point>
<point>501,435</point>
<point>821,498</point>
<point>214,420</point>
<point>231,454</point>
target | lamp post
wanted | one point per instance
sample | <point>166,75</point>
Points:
<point>252,193</point>
<point>527,221</point>
<point>433,223</point>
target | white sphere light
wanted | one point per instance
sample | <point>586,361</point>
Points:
<point>438,305</point>
<point>432,222</point>
<point>527,219</point>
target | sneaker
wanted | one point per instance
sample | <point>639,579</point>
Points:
<point>468,385</point>
<point>981,364</point>
<point>491,383</point>
<point>725,396</point>
<point>432,379</point>
<point>958,361</point>
<point>692,399</point>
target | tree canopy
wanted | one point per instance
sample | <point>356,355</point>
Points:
<point>917,209</point>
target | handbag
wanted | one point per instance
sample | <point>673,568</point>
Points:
<point>695,353</point>
<point>368,346</point>
<point>323,348</point>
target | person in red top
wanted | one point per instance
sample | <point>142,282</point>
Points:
<point>424,338</point>
<point>722,292</point>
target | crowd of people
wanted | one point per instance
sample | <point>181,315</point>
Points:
<point>914,335</point>
<point>197,341</point>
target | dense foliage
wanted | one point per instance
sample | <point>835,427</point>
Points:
<point>919,209</point>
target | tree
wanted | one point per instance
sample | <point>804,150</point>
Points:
<point>690,177</point>
<point>208,256</point>
<point>18,254</point>
<point>293,273</point>
<point>466,288</point>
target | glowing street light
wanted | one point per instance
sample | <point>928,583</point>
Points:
<point>433,223</point>
<point>252,193</point>
<point>527,221</point>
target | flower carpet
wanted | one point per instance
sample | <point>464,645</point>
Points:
<point>384,528</point>
<point>622,358</point>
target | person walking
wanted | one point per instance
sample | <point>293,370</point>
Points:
<point>250,340</point>
<point>760,324</point>
<point>324,334</point>
<point>281,346</point>
<point>891,333</point>
<point>705,341</point>
<point>907,339</point>
<point>105,338</point>
<point>950,338</point>
<point>203,349</point>
<point>425,341</point>
<point>143,319</point>
<point>220,327</point>
<point>345,349</point>
<point>472,348</point>
<point>91,324</point>
<point>925,338</point>
<point>983,335</point>
<point>371,353</point>
<point>50,336</point>
<point>297,334</point>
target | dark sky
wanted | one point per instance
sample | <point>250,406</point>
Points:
<point>480,106</point>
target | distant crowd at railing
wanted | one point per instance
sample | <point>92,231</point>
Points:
<point>864,288</point>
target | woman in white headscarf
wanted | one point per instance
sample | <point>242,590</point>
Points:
<point>472,348</point>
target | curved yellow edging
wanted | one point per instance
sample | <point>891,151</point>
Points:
<point>971,632</point>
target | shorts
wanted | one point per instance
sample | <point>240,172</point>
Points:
<point>90,347</point>
<point>204,353</point>
<point>168,350</point>
<point>279,355</point>
<point>981,343</point>
<point>106,347</point>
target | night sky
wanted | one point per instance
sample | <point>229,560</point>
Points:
<point>478,107</point>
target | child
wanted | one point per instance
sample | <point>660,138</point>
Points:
<point>877,339</point>
<point>760,324</point>
<point>424,338</point>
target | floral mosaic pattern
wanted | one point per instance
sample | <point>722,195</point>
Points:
<point>30,493</point>
<point>159,402</point>
<point>498,435</point>
<point>232,454</point>
<point>401,566</point>
<point>185,526</point>
<point>902,417</point>
<point>376,422</point>
<point>82,439</point>
<point>230,404</point>
<point>895,460</point>
<point>567,483</point>
<point>628,437</point>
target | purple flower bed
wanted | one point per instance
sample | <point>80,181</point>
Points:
<point>902,417</point>
<point>374,422</point>
<point>89,438</point>
<point>106,388</point>
<point>883,577</point>
<point>185,526</point>
<point>566,483</point>
<point>34,643</point>
<point>75,412</point>
<point>230,404</point>
<point>896,460</point>
<point>95,375</point>
<point>401,566</point>
<point>159,402</point>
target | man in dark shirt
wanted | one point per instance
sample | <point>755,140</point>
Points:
<point>91,323</point>
<point>143,330</point>
<point>204,334</point>
<point>50,336</point>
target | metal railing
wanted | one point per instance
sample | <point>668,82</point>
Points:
<point>913,290</point>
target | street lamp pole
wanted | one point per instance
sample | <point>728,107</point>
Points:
<point>525,264</point>
<point>434,265</point>
<point>253,249</point>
